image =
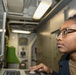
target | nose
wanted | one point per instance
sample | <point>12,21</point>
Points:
<point>59,37</point>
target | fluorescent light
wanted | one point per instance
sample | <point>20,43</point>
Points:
<point>21,31</point>
<point>42,8</point>
<point>1,30</point>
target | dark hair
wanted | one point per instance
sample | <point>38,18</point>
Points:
<point>72,18</point>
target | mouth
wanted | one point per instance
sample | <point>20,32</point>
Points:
<point>59,45</point>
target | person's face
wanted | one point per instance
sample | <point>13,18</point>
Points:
<point>67,44</point>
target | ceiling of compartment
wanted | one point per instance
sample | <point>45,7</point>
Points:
<point>20,12</point>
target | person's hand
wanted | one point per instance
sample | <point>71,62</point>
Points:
<point>41,67</point>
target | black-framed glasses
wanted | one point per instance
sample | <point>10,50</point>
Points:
<point>64,32</point>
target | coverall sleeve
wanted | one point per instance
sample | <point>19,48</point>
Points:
<point>54,73</point>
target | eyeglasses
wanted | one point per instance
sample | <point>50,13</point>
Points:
<point>64,32</point>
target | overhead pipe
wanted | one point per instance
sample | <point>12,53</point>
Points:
<point>24,22</point>
<point>14,13</point>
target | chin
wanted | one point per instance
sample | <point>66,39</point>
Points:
<point>62,50</point>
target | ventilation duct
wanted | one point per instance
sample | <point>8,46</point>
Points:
<point>15,6</point>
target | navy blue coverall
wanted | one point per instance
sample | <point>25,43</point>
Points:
<point>63,66</point>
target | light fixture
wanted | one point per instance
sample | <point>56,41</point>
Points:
<point>42,8</point>
<point>1,30</point>
<point>21,31</point>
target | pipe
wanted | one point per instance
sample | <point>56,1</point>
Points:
<point>24,22</point>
